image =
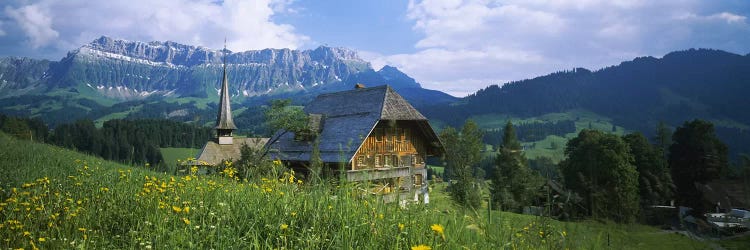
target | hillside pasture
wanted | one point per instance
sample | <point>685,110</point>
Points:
<point>54,198</point>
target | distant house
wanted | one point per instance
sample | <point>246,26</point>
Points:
<point>224,146</point>
<point>374,134</point>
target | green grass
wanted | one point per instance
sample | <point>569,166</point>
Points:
<point>545,147</point>
<point>737,243</point>
<point>117,115</point>
<point>171,155</point>
<point>54,198</point>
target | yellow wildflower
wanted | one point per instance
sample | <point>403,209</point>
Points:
<point>401,226</point>
<point>176,209</point>
<point>421,247</point>
<point>26,233</point>
<point>283,226</point>
<point>437,228</point>
<point>186,221</point>
<point>42,239</point>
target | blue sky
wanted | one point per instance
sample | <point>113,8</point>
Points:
<point>451,45</point>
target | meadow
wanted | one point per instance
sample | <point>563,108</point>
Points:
<point>552,146</point>
<point>57,198</point>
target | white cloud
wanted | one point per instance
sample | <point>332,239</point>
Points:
<point>36,22</point>
<point>466,42</point>
<point>69,24</point>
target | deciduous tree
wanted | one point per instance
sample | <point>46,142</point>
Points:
<point>696,156</point>
<point>600,168</point>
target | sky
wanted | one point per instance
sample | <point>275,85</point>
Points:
<point>454,46</point>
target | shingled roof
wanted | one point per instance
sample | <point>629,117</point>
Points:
<point>348,118</point>
<point>213,153</point>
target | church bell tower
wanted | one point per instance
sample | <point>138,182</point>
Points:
<point>224,123</point>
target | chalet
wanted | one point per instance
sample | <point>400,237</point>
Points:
<point>224,146</point>
<point>374,133</point>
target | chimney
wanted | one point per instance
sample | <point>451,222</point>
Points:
<point>359,86</point>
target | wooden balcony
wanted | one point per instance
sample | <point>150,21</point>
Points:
<point>377,173</point>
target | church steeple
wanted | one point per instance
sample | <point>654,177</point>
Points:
<point>224,123</point>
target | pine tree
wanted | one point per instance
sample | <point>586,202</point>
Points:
<point>513,183</point>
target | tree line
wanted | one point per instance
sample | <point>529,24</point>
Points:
<point>127,141</point>
<point>611,177</point>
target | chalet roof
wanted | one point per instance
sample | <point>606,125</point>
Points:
<point>214,153</point>
<point>224,118</point>
<point>348,117</point>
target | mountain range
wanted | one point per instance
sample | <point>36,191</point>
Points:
<point>112,78</point>
<point>109,72</point>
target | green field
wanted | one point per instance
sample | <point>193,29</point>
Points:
<point>53,198</point>
<point>552,146</point>
<point>171,155</point>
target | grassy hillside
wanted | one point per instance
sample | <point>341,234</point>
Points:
<point>552,146</point>
<point>56,198</point>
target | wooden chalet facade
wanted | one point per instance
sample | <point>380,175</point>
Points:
<point>374,132</point>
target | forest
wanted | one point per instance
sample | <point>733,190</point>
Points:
<point>135,142</point>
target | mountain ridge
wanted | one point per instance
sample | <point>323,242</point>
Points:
<point>109,71</point>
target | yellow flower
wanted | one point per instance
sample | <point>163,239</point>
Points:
<point>42,239</point>
<point>82,229</point>
<point>176,209</point>
<point>186,221</point>
<point>400,226</point>
<point>294,214</point>
<point>437,228</point>
<point>421,247</point>
<point>26,233</point>
<point>284,226</point>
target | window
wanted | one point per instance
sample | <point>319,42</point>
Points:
<point>377,161</point>
<point>418,180</point>
<point>406,161</point>
<point>387,161</point>
<point>361,161</point>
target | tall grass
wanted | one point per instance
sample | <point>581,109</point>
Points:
<point>55,198</point>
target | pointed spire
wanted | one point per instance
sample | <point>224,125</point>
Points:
<point>224,118</point>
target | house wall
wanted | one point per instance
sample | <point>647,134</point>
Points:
<point>391,144</point>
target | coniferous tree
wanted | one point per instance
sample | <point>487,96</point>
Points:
<point>513,183</point>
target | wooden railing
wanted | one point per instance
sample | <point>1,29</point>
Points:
<point>377,173</point>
